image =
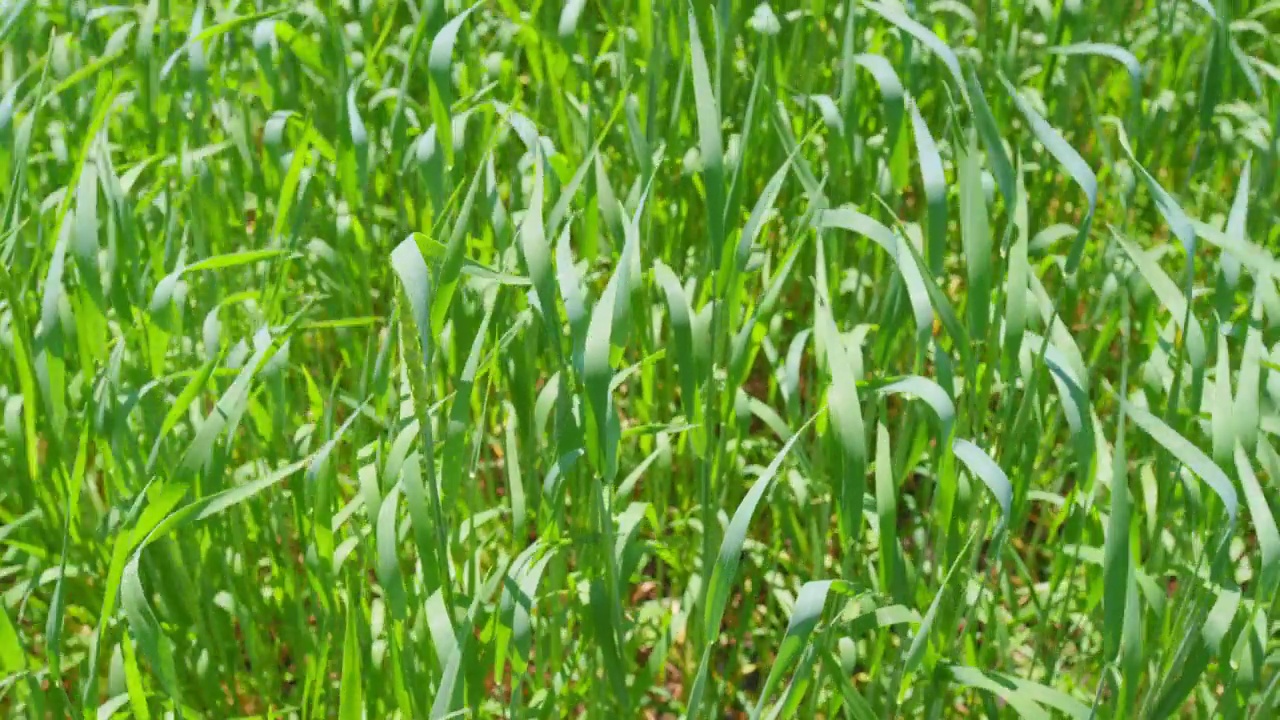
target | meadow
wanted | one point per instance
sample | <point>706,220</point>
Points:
<point>639,359</point>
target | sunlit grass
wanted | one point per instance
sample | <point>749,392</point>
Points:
<point>628,359</point>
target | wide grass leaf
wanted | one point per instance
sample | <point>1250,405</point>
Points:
<point>351,685</point>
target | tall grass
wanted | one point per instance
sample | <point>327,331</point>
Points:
<point>639,359</point>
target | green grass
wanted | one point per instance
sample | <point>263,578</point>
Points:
<point>632,359</point>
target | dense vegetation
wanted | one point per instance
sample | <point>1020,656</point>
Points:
<point>639,359</point>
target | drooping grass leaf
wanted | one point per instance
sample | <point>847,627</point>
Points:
<point>981,464</point>
<point>804,618</point>
<point>1107,50</point>
<point>895,14</point>
<point>1167,291</point>
<point>933,395</point>
<point>1070,159</point>
<point>854,221</point>
<point>1188,454</point>
<point>726,565</point>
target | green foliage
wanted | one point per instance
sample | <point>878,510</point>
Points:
<point>639,359</point>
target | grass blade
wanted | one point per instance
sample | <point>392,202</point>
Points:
<point>1075,165</point>
<point>935,190</point>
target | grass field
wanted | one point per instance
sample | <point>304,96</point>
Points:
<point>639,359</point>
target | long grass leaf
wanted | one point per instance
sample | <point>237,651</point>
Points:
<point>1070,159</point>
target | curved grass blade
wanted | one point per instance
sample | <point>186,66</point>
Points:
<point>917,292</point>
<point>194,44</point>
<point>447,692</point>
<point>681,314</point>
<point>570,280</point>
<point>892,93</point>
<point>1025,696</point>
<point>386,542</point>
<point>1188,454</point>
<point>537,257</point>
<point>1075,165</point>
<point>411,268</point>
<point>1170,296</point>
<point>1257,259</point>
<point>1221,423</point>
<point>1169,208</point>
<point>930,392</point>
<point>519,595</point>
<point>764,206</point>
<point>855,705</point>
<point>920,640</point>
<point>515,483</point>
<point>229,409</point>
<point>85,234</point>
<point>146,628</point>
<point>726,565</point>
<point>227,499</point>
<point>981,464</point>
<point>829,112</point>
<point>180,405</point>
<point>1246,411</point>
<point>1196,649</point>
<point>1117,564</point>
<point>896,16</point>
<point>569,16</point>
<point>351,684</point>
<point>997,157</point>
<point>942,305</point>
<point>1064,369</point>
<point>1107,50</point>
<point>1017,279</point>
<point>891,575</point>
<point>440,69</point>
<point>235,259</point>
<point>805,615</point>
<point>598,369</point>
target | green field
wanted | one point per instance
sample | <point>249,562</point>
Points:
<point>639,359</point>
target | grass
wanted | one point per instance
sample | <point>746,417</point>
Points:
<point>633,359</point>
